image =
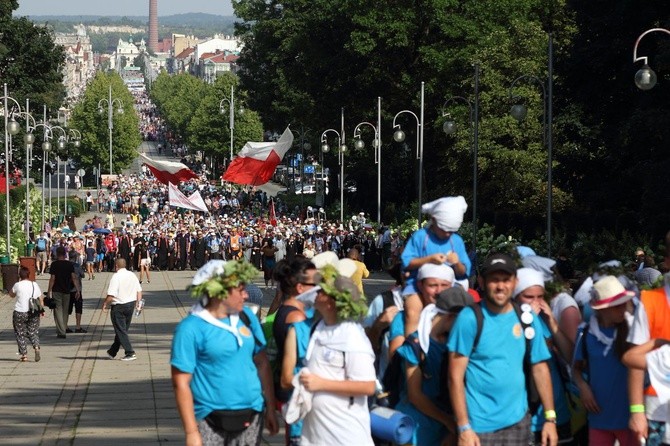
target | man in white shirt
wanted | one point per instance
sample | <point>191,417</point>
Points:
<point>124,294</point>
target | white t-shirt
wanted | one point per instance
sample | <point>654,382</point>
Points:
<point>334,419</point>
<point>124,286</point>
<point>560,303</point>
<point>25,289</point>
<point>639,334</point>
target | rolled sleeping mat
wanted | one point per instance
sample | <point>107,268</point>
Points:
<point>391,425</point>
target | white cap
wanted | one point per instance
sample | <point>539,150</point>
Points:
<point>527,277</point>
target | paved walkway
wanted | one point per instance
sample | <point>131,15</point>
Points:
<point>76,396</point>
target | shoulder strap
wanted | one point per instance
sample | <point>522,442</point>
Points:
<point>387,297</point>
<point>479,317</point>
<point>517,310</point>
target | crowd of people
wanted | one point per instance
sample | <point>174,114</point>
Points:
<point>521,356</point>
<point>511,350</point>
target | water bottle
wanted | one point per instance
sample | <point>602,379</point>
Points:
<point>139,307</point>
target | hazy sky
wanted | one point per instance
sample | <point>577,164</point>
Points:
<point>121,7</point>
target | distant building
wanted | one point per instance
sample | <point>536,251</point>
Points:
<point>226,43</point>
<point>79,64</point>
<point>126,52</point>
<point>211,65</point>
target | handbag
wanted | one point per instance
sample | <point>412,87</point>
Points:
<point>34,304</point>
<point>230,420</point>
<point>49,301</point>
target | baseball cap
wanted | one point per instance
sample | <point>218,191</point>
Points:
<point>452,300</point>
<point>499,262</point>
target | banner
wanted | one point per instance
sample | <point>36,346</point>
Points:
<point>178,199</point>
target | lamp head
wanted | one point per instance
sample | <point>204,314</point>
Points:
<point>100,110</point>
<point>29,138</point>
<point>13,127</point>
<point>325,148</point>
<point>119,110</point>
<point>77,143</point>
<point>359,144</point>
<point>518,112</point>
<point>449,127</point>
<point>46,146</point>
<point>343,148</point>
<point>61,144</point>
<point>307,146</point>
<point>645,78</point>
<point>399,135</point>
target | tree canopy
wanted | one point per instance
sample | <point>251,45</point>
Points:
<point>305,59</point>
<point>93,125</point>
<point>191,109</point>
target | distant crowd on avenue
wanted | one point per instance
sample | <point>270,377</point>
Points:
<point>514,348</point>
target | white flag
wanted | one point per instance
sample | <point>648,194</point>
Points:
<point>180,200</point>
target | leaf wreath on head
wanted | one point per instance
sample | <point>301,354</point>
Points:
<point>349,303</point>
<point>217,277</point>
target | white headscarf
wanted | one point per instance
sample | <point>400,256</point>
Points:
<point>527,277</point>
<point>448,212</point>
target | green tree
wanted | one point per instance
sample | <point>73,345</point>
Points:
<point>177,98</point>
<point>93,125</point>
<point>209,129</point>
<point>30,62</point>
<point>303,60</point>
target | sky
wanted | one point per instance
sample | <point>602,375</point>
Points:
<point>121,7</point>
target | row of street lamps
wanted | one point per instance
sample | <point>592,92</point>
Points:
<point>12,128</point>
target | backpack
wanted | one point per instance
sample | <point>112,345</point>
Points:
<point>41,244</point>
<point>394,375</point>
<point>244,317</point>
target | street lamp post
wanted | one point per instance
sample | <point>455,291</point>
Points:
<point>11,128</point>
<point>342,148</point>
<point>46,148</point>
<point>519,112</point>
<point>110,103</point>
<point>645,78</point>
<point>359,144</point>
<point>231,115</point>
<point>399,136</point>
<point>28,139</point>
<point>449,127</point>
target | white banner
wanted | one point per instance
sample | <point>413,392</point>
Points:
<point>178,199</point>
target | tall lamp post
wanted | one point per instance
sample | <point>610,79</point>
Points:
<point>11,128</point>
<point>399,136</point>
<point>110,103</point>
<point>231,114</point>
<point>359,144</point>
<point>28,140</point>
<point>645,78</point>
<point>449,127</point>
<point>519,112</point>
<point>46,148</point>
<point>342,148</point>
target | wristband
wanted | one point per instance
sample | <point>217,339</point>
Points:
<point>550,414</point>
<point>637,408</point>
<point>465,427</point>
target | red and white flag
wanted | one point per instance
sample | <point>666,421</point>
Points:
<point>178,199</point>
<point>257,161</point>
<point>168,171</point>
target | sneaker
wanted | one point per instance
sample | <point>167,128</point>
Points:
<point>68,330</point>
<point>131,357</point>
<point>37,355</point>
<point>110,356</point>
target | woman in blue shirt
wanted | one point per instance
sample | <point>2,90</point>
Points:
<point>220,372</point>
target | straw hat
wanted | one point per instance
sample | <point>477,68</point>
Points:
<point>608,292</point>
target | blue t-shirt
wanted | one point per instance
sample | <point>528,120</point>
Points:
<point>397,327</point>
<point>560,401</point>
<point>608,379</point>
<point>495,390</point>
<point>423,243</point>
<point>224,376</point>
<point>428,430</point>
